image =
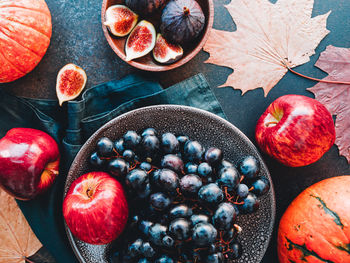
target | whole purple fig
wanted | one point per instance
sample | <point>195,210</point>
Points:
<point>182,21</point>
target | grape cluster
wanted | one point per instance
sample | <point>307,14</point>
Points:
<point>184,200</point>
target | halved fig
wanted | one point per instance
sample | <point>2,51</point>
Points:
<point>71,80</point>
<point>141,40</point>
<point>165,52</point>
<point>120,20</point>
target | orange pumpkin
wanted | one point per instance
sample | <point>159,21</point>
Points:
<point>25,33</point>
<point>316,226</point>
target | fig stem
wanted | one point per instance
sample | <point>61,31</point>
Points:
<point>186,11</point>
<point>319,80</point>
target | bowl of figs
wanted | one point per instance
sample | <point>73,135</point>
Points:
<point>169,184</point>
<point>157,35</point>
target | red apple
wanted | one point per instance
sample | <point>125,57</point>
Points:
<point>29,162</point>
<point>296,130</point>
<point>95,208</point>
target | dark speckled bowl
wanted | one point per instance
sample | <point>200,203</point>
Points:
<point>200,125</point>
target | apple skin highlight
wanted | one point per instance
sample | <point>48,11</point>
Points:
<point>295,130</point>
<point>95,208</point>
<point>29,162</point>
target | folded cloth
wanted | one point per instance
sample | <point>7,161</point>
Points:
<point>72,125</point>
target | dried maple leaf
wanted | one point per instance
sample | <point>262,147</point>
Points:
<point>269,38</point>
<point>17,240</point>
<point>336,97</point>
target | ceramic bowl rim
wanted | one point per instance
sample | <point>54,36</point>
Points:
<point>156,67</point>
<point>207,114</point>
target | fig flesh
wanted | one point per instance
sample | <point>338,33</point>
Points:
<point>165,52</point>
<point>120,20</point>
<point>141,40</point>
<point>71,80</point>
<point>145,7</point>
<point>182,21</point>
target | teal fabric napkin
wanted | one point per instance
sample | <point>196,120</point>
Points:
<point>73,124</point>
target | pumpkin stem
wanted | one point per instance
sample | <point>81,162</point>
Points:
<point>186,11</point>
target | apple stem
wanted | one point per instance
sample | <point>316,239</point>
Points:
<point>89,192</point>
<point>186,11</point>
<point>271,123</point>
<point>27,260</point>
<point>319,80</point>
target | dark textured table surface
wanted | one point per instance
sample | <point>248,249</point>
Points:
<point>78,38</point>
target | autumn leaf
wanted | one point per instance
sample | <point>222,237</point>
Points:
<point>269,38</point>
<point>336,97</point>
<point>17,240</point>
<point>41,256</point>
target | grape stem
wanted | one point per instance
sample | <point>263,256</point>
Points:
<point>183,198</point>
<point>225,243</point>
<point>112,157</point>
<point>227,195</point>
<point>134,165</point>
<point>242,178</point>
<point>153,167</point>
<point>199,249</point>
<point>118,155</point>
<point>230,197</point>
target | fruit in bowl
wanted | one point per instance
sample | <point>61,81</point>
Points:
<point>145,7</point>
<point>150,163</point>
<point>29,162</point>
<point>169,204</point>
<point>182,21</point>
<point>296,130</point>
<point>165,52</point>
<point>120,20</point>
<point>141,40</point>
<point>183,24</point>
<point>95,208</point>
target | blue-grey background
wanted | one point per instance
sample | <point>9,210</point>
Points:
<point>78,38</point>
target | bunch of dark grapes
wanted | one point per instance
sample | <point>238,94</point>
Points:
<point>184,200</point>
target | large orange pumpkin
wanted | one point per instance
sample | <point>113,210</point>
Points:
<point>316,226</point>
<point>25,33</point>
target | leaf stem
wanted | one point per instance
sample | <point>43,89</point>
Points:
<point>319,80</point>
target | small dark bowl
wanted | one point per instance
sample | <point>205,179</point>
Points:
<point>200,125</point>
<point>147,62</point>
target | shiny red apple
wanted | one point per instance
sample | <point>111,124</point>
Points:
<point>95,208</point>
<point>296,130</point>
<point>29,162</point>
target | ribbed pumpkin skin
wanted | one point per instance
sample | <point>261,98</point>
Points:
<point>25,33</point>
<point>316,226</point>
